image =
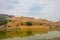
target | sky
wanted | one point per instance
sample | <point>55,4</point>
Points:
<point>45,9</point>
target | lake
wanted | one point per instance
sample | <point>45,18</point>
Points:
<point>29,34</point>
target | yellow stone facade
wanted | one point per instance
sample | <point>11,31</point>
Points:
<point>12,25</point>
<point>18,20</point>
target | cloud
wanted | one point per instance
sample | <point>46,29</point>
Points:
<point>13,1</point>
<point>47,9</point>
<point>35,8</point>
<point>8,4</point>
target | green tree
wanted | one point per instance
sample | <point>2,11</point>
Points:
<point>3,22</point>
<point>29,23</point>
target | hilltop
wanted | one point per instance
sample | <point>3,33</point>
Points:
<point>4,16</point>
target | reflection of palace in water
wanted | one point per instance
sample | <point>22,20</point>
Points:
<point>26,32</point>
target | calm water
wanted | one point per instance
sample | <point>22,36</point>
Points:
<point>28,35</point>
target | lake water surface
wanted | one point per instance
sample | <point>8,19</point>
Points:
<point>30,33</point>
<point>32,36</point>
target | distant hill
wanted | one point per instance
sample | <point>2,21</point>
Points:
<point>4,16</point>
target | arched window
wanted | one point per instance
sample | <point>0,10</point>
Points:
<point>9,26</point>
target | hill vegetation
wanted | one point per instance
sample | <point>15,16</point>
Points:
<point>3,18</point>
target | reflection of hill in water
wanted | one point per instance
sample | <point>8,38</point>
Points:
<point>53,35</point>
<point>2,34</point>
<point>22,32</point>
<point>25,32</point>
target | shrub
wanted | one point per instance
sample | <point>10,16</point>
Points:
<point>3,22</point>
<point>28,23</point>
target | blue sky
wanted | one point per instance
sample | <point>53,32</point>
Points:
<point>46,9</point>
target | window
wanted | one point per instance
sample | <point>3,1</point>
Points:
<point>9,26</point>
